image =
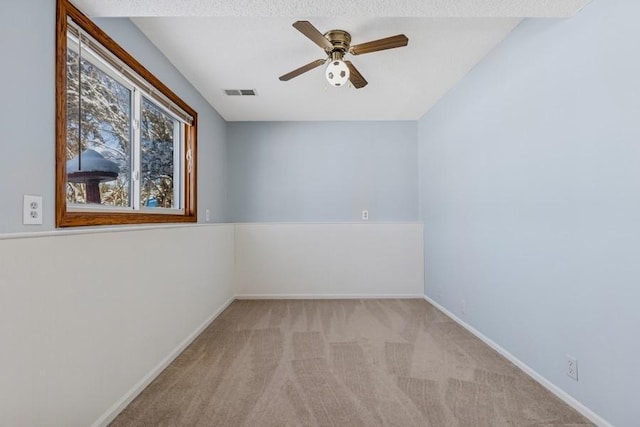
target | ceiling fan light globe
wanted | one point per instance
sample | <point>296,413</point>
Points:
<point>337,73</point>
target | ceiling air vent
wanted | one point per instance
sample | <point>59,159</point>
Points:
<point>240,92</point>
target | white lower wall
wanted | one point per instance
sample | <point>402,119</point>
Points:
<point>329,260</point>
<point>86,318</point>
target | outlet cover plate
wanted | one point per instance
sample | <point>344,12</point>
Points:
<point>572,367</point>
<point>32,210</point>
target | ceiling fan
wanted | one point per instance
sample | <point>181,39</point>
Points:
<point>336,44</point>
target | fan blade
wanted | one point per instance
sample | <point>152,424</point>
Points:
<point>313,34</point>
<point>303,69</point>
<point>382,44</point>
<point>355,77</point>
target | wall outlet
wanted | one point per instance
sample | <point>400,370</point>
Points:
<point>207,215</point>
<point>572,367</point>
<point>32,210</point>
<point>365,215</point>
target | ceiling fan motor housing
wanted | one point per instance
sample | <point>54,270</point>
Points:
<point>341,41</point>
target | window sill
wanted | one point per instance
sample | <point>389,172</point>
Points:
<point>81,219</point>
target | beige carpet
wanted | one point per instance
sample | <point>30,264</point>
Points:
<point>342,363</point>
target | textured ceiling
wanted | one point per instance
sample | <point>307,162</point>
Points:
<point>370,8</point>
<point>250,53</point>
<point>247,44</point>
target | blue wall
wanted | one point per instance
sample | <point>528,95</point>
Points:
<point>530,196</point>
<point>27,112</point>
<point>322,171</point>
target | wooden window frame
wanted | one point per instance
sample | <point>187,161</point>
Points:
<point>67,218</point>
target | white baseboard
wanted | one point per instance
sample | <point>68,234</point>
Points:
<point>113,412</point>
<point>329,296</point>
<point>563,395</point>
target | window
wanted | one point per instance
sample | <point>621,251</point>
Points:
<point>125,143</point>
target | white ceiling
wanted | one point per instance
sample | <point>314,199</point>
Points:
<point>248,44</point>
